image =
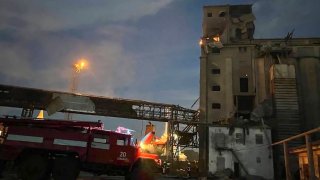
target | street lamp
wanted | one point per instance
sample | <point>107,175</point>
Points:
<point>80,65</point>
<point>77,67</point>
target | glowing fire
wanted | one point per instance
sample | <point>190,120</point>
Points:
<point>182,156</point>
<point>163,139</point>
<point>216,39</point>
<point>153,144</point>
<point>40,115</point>
<point>201,42</point>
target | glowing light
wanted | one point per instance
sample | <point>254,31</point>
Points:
<point>216,39</point>
<point>201,42</point>
<point>182,156</point>
<point>158,161</point>
<point>142,146</point>
<point>80,65</point>
<point>124,130</point>
<point>0,133</point>
<point>40,115</point>
<point>175,136</point>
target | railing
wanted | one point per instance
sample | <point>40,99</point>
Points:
<point>284,142</point>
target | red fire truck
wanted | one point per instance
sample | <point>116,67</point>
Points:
<point>60,149</point>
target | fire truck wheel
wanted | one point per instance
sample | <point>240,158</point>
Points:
<point>2,167</point>
<point>65,168</point>
<point>141,174</point>
<point>33,167</point>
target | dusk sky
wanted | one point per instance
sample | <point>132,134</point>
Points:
<point>137,49</point>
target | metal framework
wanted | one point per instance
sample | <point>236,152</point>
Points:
<point>183,122</point>
<point>29,98</point>
<point>182,136</point>
<point>308,145</point>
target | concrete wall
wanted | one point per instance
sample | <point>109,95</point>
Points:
<point>231,22</point>
<point>309,86</point>
<point>256,158</point>
<point>232,65</point>
<point>261,79</point>
<point>223,62</point>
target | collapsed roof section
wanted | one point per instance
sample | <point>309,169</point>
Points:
<point>230,22</point>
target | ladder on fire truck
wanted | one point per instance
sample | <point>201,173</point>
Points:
<point>30,99</point>
<point>10,120</point>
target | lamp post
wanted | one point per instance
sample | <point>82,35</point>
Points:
<point>76,70</point>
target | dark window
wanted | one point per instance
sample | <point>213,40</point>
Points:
<point>215,71</point>
<point>236,166</point>
<point>244,103</point>
<point>220,140</point>
<point>259,139</point>
<point>238,33</point>
<point>215,50</point>
<point>239,138</point>
<point>250,29</point>
<point>222,14</point>
<point>209,14</point>
<point>216,105</point>
<point>100,141</point>
<point>258,160</point>
<point>216,88</point>
<point>244,86</point>
<point>101,138</point>
<point>242,49</point>
<point>122,142</point>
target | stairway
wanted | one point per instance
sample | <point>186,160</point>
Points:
<point>286,107</point>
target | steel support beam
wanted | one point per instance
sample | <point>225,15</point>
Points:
<point>21,97</point>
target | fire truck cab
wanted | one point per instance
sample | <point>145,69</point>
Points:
<point>60,149</point>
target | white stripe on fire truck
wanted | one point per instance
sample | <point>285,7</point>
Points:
<point>100,145</point>
<point>15,137</point>
<point>66,142</point>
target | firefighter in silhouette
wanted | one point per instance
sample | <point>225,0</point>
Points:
<point>189,170</point>
<point>164,167</point>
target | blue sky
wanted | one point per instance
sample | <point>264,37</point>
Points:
<point>137,49</point>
